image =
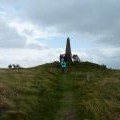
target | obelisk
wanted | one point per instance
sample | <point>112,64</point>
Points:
<point>68,53</point>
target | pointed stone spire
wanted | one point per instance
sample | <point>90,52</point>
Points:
<point>68,47</point>
<point>68,50</point>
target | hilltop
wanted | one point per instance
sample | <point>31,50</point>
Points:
<point>87,91</point>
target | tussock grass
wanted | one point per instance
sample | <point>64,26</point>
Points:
<point>86,91</point>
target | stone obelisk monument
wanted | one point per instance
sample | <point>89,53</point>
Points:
<point>68,53</point>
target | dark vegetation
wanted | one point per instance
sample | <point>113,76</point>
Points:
<point>86,91</point>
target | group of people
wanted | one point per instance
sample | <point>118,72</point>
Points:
<point>14,66</point>
<point>76,58</point>
<point>67,58</point>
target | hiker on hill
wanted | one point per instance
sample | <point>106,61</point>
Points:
<point>61,58</point>
<point>63,65</point>
<point>9,66</point>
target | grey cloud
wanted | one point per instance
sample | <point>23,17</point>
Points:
<point>107,56</point>
<point>96,17</point>
<point>110,40</point>
<point>9,38</point>
<point>36,46</point>
<point>87,13</point>
<point>1,9</point>
<point>28,32</point>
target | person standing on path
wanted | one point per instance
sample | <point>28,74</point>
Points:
<point>63,65</point>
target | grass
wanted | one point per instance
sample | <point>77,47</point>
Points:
<point>86,91</point>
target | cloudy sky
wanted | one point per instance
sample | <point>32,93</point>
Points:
<point>34,32</point>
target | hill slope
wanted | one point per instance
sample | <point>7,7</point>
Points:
<point>86,91</point>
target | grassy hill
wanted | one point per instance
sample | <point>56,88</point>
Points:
<point>86,91</point>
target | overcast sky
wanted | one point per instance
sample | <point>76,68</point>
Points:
<point>34,32</point>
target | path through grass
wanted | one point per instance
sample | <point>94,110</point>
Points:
<point>67,109</point>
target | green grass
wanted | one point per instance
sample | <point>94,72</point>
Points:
<point>86,91</point>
